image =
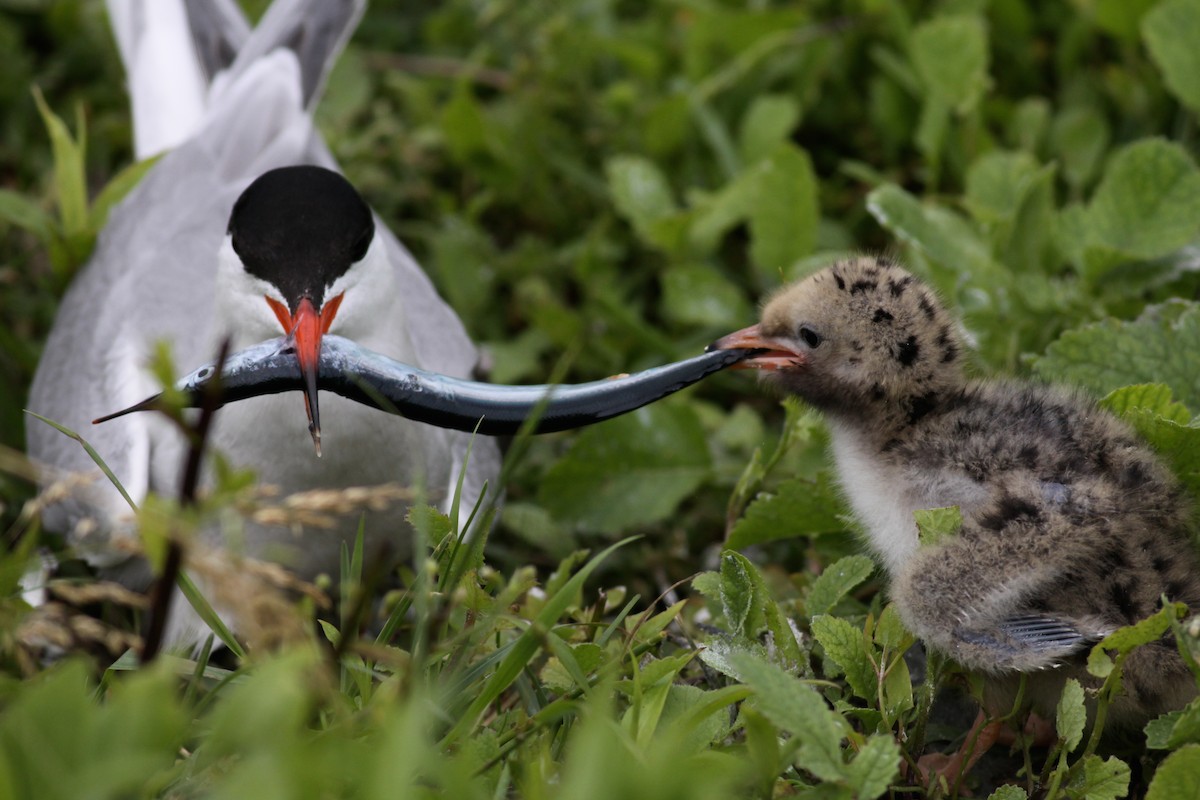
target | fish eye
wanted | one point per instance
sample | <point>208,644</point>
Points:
<point>810,336</point>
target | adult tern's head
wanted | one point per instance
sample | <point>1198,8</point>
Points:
<point>298,238</point>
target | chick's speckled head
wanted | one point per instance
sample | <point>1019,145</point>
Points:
<point>858,334</point>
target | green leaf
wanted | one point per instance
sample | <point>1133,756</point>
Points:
<point>1079,138</point>
<point>698,294</point>
<point>798,507</point>
<point>641,193</point>
<point>767,123</point>
<point>783,209</point>
<point>1177,778</point>
<point>749,607</point>
<point>1125,639</point>
<point>69,179</point>
<point>1100,779</point>
<point>1185,727</point>
<point>463,124</point>
<point>1146,398</point>
<point>846,647</point>
<point>875,766</point>
<point>1159,730</point>
<point>1121,17</point>
<point>797,708</point>
<point>1163,423</point>
<point>890,632</point>
<point>1108,355</point>
<point>1009,792</point>
<point>1171,31</point>
<point>742,604</point>
<point>936,524</point>
<point>997,183</point>
<point>835,582</point>
<point>950,54</point>
<point>897,688</point>
<point>934,232</point>
<point>1148,203</point>
<point>1071,716</point>
<point>19,210</point>
<point>527,645</point>
<point>115,191</point>
<point>633,470</point>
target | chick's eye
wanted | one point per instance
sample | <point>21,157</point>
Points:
<point>810,337</point>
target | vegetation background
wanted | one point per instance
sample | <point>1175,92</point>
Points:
<point>600,186</point>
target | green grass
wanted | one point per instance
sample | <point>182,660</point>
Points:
<point>610,186</point>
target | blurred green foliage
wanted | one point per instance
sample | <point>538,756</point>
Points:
<point>610,185</point>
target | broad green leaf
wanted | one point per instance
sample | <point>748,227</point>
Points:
<point>1171,31</point>
<point>1105,356</point>
<point>1163,423</point>
<point>797,507</point>
<point>463,124</point>
<point>768,121</point>
<point>1100,779</point>
<point>640,192</point>
<point>1121,17</point>
<point>997,183</point>
<point>937,524</point>
<point>846,647</point>
<point>1029,123</point>
<point>1009,792</point>
<point>1149,398</point>
<point>835,582</point>
<point>587,657</point>
<point>797,708</point>
<point>897,688</point>
<point>950,54</point>
<point>721,653</point>
<point>1079,139</point>
<point>1177,778</point>
<point>1125,639</point>
<point>783,210</point>
<point>16,209</point>
<point>698,294</point>
<point>1184,727</point>
<point>749,606</point>
<point>1148,203</point>
<point>890,632</point>
<point>1160,729</point>
<point>934,232</point>
<point>633,470</point>
<point>743,605</point>
<point>875,766</point>
<point>1071,716</point>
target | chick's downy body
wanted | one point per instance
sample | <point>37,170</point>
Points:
<point>1071,525</point>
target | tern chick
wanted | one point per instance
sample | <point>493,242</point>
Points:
<point>1071,526</point>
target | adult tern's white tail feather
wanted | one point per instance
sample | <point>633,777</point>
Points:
<point>219,31</point>
<point>167,86</point>
<point>182,56</point>
<point>315,30</point>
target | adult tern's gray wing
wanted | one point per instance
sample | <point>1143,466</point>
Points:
<point>373,379</point>
<point>153,277</point>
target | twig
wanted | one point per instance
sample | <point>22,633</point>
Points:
<point>164,587</point>
<point>440,67</point>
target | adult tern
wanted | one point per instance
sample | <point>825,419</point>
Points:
<point>243,231</point>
